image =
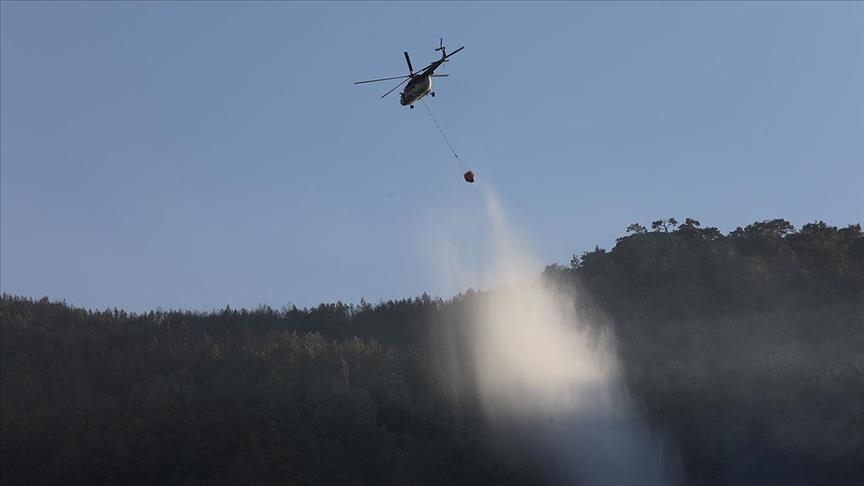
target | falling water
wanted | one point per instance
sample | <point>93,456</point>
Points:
<point>550,377</point>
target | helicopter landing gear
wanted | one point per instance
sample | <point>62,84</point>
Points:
<point>411,106</point>
<point>432,94</point>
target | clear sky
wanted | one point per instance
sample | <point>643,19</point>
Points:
<point>193,155</point>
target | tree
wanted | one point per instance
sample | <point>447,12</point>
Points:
<point>636,228</point>
<point>665,224</point>
<point>774,228</point>
<point>690,222</point>
<point>690,228</point>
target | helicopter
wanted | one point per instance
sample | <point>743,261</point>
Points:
<point>420,82</point>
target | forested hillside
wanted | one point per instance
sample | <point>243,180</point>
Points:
<point>747,348</point>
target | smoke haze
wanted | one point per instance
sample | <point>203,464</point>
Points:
<point>545,374</point>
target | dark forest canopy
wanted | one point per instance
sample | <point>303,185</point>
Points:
<point>747,348</point>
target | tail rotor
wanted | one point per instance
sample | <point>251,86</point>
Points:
<point>444,56</point>
<point>442,48</point>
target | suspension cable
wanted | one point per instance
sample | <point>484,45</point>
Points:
<point>455,155</point>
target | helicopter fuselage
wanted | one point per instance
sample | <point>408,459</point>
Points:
<point>420,84</point>
<point>416,89</point>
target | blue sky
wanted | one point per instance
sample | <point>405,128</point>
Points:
<point>193,155</point>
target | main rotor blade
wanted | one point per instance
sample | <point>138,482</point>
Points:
<point>424,68</point>
<point>410,69</point>
<point>440,75</point>
<point>394,88</point>
<point>457,50</point>
<point>382,79</point>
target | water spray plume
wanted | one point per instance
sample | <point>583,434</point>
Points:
<point>552,379</point>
